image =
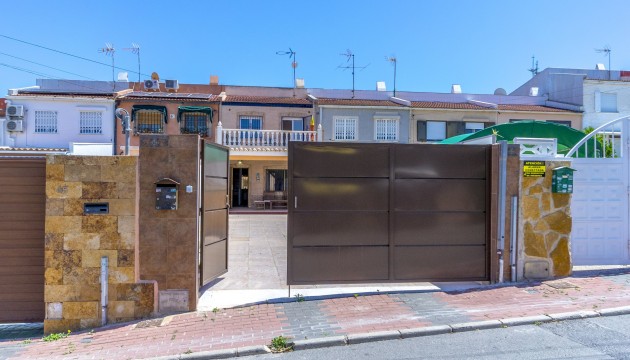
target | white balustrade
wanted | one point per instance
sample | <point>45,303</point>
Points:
<point>264,138</point>
<point>537,147</point>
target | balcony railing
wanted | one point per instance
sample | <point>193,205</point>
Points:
<point>263,138</point>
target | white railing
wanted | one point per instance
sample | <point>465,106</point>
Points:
<point>263,138</point>
<point>537,147</point>
<point>604,142</point>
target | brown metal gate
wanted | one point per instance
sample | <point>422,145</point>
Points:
<point>391,213</point>
<point>214,242</point>
<point>22,216</point>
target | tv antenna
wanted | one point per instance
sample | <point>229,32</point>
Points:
<point>534,68</point>
<point>394,61</point>
<point>109,51</point>
<point>294,63</point>
<point>135,48</point>
<point>350,56</point>
<point>606,50</point>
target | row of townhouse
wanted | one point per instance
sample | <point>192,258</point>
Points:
<point>257,123</point>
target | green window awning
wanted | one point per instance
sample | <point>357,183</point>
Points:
<point>197,109</point>
<point>137,108</point>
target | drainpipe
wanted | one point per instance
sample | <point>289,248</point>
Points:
<point>116,104</point>
<point>502,191</point>
<point>513,237</point>
<point>104,288</point>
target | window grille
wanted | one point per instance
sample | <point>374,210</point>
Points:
<point>91,122</point>
<point>149,122</point>
<point>345,128</point>
<point>194,123</point>
<point>46,122</point>
<point>386,129</point>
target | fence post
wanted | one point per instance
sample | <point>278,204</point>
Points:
<point>219,135</point>
<point>320,132</point>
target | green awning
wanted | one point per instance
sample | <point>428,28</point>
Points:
<point>161,109</point>
<point>197,109</point>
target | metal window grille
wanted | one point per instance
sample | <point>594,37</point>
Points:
<point>149,122</point>
<point>387,129</point>
<point>46,122</point>
<point>91,122</point>
<point>194,123</point>
<point>345,129</point>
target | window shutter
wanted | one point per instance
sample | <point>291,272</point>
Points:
<point>455,128</point>
<point>422,130</point>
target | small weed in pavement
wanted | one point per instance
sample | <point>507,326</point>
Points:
<point>27,341</point>
<point>216,310</point>
<point>299,297</point>
<point>356,296</point>
<point>279,344</point>
<point>537,323</point>
<point>56,336</point>
<point>188,351</point>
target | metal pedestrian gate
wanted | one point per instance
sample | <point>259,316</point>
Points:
<point>391,213</point>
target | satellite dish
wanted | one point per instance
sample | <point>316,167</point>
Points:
<point>155,76</point>
<point>500,91</point>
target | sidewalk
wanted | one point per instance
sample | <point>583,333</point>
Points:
<point>190,333</point>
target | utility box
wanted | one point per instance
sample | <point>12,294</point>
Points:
<point>166,194</point>
<point>562,180</point>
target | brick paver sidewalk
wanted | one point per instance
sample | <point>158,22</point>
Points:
<point>257,325</point>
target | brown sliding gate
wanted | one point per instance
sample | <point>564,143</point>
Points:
<point>22,213</point>
<point>391,213</point>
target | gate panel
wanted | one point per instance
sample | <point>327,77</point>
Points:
<point>214,243</point>
<point>22,218</point>
<point>414,213</point>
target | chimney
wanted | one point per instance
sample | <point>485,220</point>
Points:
<point>299,83</point>
<point>380,86</point>
<point>456,89</point>
<point>533,91</point>
<point>600,66</point>
<point>123,76</point>
<point>214,80</point>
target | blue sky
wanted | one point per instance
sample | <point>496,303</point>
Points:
<point>481,45</point>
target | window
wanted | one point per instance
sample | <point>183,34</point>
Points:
<point>90,122</point>
<point>345,128</point>
<point>386,129</point>
<point>473,127</point>
<point>149,121</point>
<point>46,122</point>
<point>194,123</point>
<point>276,180</point>
<point>436,130</point>
<point>292,124</point>
<point>250,122</point>
<point>517,120</point>
<point>609,102</point>
<point>560,122</point>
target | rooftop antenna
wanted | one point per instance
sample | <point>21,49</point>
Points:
<point>109,50</point>
<point>393,60</point>
<point>606,50</point>
<point>294,64</point>
<point>534,68</point>
<point>135,48</point>
<point>350,56</point>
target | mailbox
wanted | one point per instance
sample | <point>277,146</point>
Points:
<point>95,208</point>
<point>166,194</point>
<point>562,180</point>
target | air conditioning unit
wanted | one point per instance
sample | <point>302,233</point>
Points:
<point>151,85</point>
<point>15,125</point>
<point>15,110</point>
<point>171,84</point>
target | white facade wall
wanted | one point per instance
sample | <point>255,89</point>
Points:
<point>593,90</point>
<point>68,130</point>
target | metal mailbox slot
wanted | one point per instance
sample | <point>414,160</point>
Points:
<point>166,194</point>
<point>562,180</point>
<point>95,208</point>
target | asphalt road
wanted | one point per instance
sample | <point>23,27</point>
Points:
<point>595,338</point>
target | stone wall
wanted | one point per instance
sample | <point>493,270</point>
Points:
<point>75,243</point>
<point>168,239</point>
<point>544,226</point>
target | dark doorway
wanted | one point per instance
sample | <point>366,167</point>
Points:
<point>240,187</point>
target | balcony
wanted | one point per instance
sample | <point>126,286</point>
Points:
<point>262,142</point>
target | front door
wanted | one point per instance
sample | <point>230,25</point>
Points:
<point>214,241</point>
<point>240,187</point>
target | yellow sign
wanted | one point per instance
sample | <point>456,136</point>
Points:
<point>534,168</point>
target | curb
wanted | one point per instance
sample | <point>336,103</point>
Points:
<point>359,338</point>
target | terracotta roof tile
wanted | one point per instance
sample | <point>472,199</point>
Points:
<point>266,100</point>
<point>3,107</point>
<point>357,102</point>
<point>531,108</point>
<point>169,96</point>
